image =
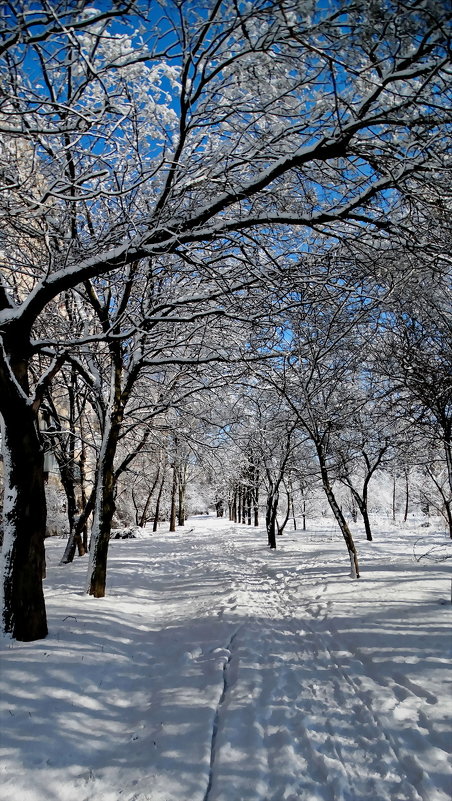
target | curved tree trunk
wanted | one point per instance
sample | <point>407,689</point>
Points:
<point>75,538</point>
<point>367,528</point>
<point>281,526</point>
<point>362,506</point>
<point>335,508</point>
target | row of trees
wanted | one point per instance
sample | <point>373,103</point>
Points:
<point>193,199</point>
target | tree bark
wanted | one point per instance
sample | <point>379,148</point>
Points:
<point>407,495</point>
<point>248,505</point>
<point>143,519</point>
<point>181,496</point>
<point>448,515</point>
<point>394,487</point>
<point>270,517</point>
<point>281,526</point>
<point>24,504</point>
<point>83,498</point>
<point>24,522</point>
<point>75,539</point>
<point>335,508</point>
<point>362,506</point>
<point>104,504</point>
<point>234,505</point>
<point>172,526</point>
<point>158,501</point>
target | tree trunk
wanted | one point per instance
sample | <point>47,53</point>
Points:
<point>280,527</point>
<point>24,522</point>
<point>362,506</point>
<point>256,507</point>
<point>270,517</point>
<point>172,522</point>
<point>255,495</point>
<point>365,516</point>
<point>394,498</point>
<point>83,498</point>
<point>104,505</point>
<point>335,508</point>
<point>181,497</point>
<point>448,515</point>
<point>143,519</point>
<point>239,504</point>
<point>159,500</point>
<point>67,480</point>
<point>75,538</point>
<point>234,506</point>
<point>24,505</point>
<point>407,495</point>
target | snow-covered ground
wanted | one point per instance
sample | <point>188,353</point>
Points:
<point>217,670</point>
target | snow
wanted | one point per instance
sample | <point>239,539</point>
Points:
<point>216,669</point>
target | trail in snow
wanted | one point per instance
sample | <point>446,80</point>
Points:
<point>218,712</point>
<point>216,669</point>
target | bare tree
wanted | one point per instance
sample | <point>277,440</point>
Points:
<point>224,122</point>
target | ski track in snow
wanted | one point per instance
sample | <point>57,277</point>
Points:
<point>217,670</point>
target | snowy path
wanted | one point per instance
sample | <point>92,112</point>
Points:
<point>216,670</point>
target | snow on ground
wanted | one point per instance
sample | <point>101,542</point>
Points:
<point>217,670</point>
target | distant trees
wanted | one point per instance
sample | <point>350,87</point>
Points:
<point>198,138</point>
<point>418,365</point>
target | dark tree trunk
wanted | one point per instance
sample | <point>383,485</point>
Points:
<point>143,519</point>
<point>24,505</point>
<point>281,526</point>
<point>255,495</point>
<point>248,505</point>
<point>67,480</point>
<point>75,539</point>
<point>100,534</point>
<point>172,521</point>
<point>181,498</point>
<point>256,515</point>
<point>407,495</point>
<point>24,522</point>
<point>448,515</point>
<point>362,506</point>
<point>83,498</point>
<point>270,517</point>
<point>239,504</point>
<point>365,516</point>
<point>335,508</point>
<point>158,502</point>
<point>104,505</point>
<point>394,487</point>
<point>234,506</point>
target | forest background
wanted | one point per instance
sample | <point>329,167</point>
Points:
<point>225,251</point>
